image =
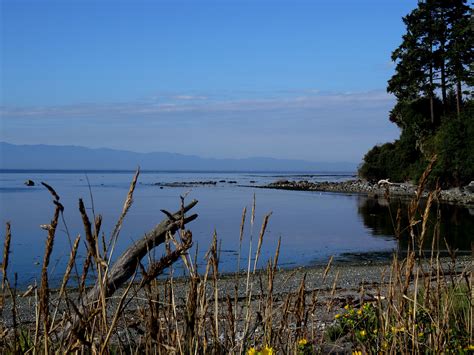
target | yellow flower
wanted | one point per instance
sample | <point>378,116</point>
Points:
<point>470,347</point>
<point>384,345</point>
<point>359,312</point>
<point>363,333</point>
<point>375,331</point>
<point>302,342</point>
<point>267,350</point>
<point>357,353</point>
<point>337,316</point>
<point>346,307</point>
<point>252,351</point>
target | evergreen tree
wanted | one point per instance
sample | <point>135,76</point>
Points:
<point>433,67</point>
<point>459,49</point>
<point>415,58</point>
<point>435,53</point>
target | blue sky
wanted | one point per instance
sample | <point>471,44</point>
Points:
<point>289,79</point>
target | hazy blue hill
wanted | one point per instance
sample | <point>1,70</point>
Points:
<point>78,158</point>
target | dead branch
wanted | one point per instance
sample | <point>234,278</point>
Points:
<point>128,262</point>
<point>126,265</point>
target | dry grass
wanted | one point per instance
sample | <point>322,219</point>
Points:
<point>423,308</point>
<point>427,306</point>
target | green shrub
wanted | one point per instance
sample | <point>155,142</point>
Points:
<point>452,141</point>
<point>454,145</point>
<point>391,160</point>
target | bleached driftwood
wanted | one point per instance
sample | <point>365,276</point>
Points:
<point>384,182</point>
<point>128,263</point>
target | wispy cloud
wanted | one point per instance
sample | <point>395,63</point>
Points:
<point>189,97</point>
<point>199,103</point>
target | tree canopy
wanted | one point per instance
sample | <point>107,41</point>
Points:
<point>433,86</point>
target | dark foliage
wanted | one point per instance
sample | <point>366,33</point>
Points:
<point>432,83</point>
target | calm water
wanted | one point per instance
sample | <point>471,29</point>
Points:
<point>312,225</point>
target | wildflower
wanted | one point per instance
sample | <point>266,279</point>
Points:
<point>470,347</point>
<point>302,342</point>
<point>375,331</point>
<point>346,307</point>
<point>252,351</point>
<point>363,333</point>
<point>267,350</point>
<point>359,312</point>
<point>337,316</point>
<point>420,334</point>
<point>384,345</point>
<point>357,353</point>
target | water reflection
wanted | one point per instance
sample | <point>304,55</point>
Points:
<point>456,222</point>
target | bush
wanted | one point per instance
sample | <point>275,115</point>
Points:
<point>454,145</point>
<point>406,158</point>
<point>391,160</point>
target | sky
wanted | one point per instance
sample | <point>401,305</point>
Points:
<point>227,79</point>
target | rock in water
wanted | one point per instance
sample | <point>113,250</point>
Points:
<point>29,183</point>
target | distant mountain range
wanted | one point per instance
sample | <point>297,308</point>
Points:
<point>46,157</point>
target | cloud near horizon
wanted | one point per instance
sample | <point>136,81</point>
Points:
<point>300,124</point>
<point>311,99</point>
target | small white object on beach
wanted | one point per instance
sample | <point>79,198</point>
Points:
<point>384,182</point>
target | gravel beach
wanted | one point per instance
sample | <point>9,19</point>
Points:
<point>338,285</point>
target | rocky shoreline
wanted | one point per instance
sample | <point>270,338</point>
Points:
<point>459,196</point>
<point>195,183</point>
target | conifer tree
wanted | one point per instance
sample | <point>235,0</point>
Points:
<point>459,49</point>
<point>435,53</point>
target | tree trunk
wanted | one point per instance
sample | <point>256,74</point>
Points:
<point>443,83</point>
<point>442,46</point>
<point>432,109</point>
<point>458,97</point>
<point>431,85</point>
<point>431,96</point>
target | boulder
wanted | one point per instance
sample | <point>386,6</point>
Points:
<point>29,183</point>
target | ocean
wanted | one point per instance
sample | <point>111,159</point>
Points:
<point>313,226</point>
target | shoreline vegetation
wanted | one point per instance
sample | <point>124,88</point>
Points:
<point>433,85</point>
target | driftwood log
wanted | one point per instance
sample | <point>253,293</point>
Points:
<point>128,263</point>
